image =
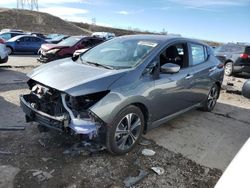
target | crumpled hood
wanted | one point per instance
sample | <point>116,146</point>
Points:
<point>75,78</point>
<point>47,47</point>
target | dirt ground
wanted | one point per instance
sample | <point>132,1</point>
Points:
<point>28,155</point>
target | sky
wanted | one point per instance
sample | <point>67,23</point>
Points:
<point>216,20</point>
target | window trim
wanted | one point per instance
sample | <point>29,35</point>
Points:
<point>205,52</point>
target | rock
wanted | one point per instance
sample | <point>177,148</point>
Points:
<point>148,152</point>
<point>145,142</point>
<point>130,181</point>
<point>158,170</point>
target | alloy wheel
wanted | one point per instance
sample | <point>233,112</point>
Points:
<point>212,97</point>
<point>228,69</point>
<point>128,131</point>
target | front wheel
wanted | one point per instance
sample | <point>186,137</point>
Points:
<point>9,50</point>
<point>209,104</point>
<point>125,131</point>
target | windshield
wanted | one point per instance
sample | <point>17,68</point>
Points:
<point>59,37</point>
<point>71,41</point>
<point>230,48</point>
<point>119,52</point>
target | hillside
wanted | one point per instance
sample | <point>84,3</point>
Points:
<point>37,21</point>
<point>46,23</point>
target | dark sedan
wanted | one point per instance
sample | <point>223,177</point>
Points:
<point>66,48</point>
<point>118,90</point>
<point>24,44</point>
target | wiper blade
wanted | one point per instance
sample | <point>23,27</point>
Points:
<point>98,65</point>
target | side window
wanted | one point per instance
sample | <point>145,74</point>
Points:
<point>199,54</point>
<point>176,53</point>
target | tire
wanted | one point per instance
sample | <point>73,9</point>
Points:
<point>4,60</point>
<point>9,50</point>
<point>122,136</point>
<point>209,104</point>
<point>229,68</point>
<point>42,128</point>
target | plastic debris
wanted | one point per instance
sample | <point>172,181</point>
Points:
<point>145,142</point>
<point>158,170</point>
<point>5,152</point>
<point>148,152</point>
<point>41,143</point>
<point>42,175</point>
<point>130,181</point>
<point>45,159</point>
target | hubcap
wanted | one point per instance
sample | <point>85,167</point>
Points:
<point>128,131</point>
<point>212,98</point>
<point>228,69</point>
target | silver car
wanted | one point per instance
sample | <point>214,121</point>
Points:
<point>3,52</point>
<point>118,90</point>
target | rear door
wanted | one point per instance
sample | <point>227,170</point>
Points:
<point>202,66</point>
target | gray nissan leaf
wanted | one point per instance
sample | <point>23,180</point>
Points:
<point>117,91</point>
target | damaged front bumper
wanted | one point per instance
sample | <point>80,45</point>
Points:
<point>65,122</point>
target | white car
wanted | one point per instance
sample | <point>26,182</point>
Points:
<point>3,52</point>
<point>103,35</point>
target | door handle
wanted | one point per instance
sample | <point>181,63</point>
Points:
<point>189,76</point>
<point>211,69</point>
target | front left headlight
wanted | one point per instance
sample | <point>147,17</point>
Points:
<point>53,51</point>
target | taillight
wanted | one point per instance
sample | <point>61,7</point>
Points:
<point>2,41</point>
<point>244,56</point>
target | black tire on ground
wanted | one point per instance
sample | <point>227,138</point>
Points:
<point>209,104</point>
<point>122,136</point>
<point>42,128</point>
<point>9,50</point>
<point>4,60</point>
<point>229,69</point>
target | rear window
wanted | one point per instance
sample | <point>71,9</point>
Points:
<point>247,50</point>
<point>231,48</point>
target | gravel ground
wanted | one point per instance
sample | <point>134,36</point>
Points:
<point>31,153</point>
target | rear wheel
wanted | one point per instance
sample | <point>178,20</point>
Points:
<point>211,100</point>
<point>126,130</point>
<point>229,69</point>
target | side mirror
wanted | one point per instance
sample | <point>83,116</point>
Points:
<point>170,68</point>
<point>246,89</point>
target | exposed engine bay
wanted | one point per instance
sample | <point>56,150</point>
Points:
<point>55,109</point>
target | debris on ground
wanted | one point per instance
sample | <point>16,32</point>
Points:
<point>42,175</point>
<point>130,181</point>
<point>41,143</point>
<point>148,152</point>
<point>84,148</point>
<point>7,175</point>
<point>145,142</point>
<point>45,159</point>
<point>5,152</point>
<point>158,170</point>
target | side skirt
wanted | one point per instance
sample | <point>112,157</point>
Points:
<point>172,116</point>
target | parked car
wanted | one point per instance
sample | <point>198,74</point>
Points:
<point>57,39</point>
<point>246,89</point>
<point>3,52</point>
<point>53,35</point>
<point>236,58</point>
<point>8,35</point>
<point>103,35</point>
<point>66,48</point>
<point>123,87</point>
<point>11,30</point>
<point>24,44</point>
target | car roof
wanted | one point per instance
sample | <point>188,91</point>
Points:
<point>161,38</point>
<point>20,36</point>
